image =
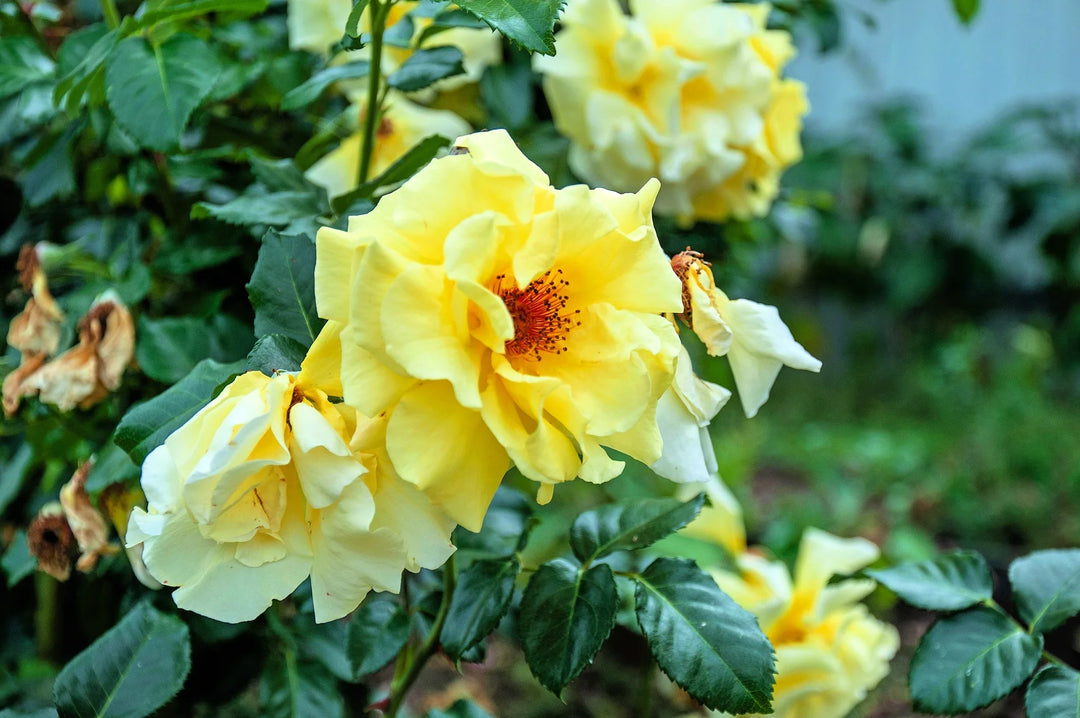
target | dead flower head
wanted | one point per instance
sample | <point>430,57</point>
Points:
<point>86,522</point>
<point>52,542</point>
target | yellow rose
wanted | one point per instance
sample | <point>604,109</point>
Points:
<point>262,488</point>
<point>752,336</point>
<point>402,126</point>
<point>684,90</point>
<point>317,25</point>
<point>829,650</point>
<point>498,319</point>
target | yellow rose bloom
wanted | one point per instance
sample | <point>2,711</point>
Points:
<point>829,650</point>
<point>497,320</point>
<point>685,90</point>
<point>752,335</point>
<point>269,484</point>
<point>402,126</point>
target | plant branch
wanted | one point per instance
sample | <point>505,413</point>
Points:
<point>380,10</point>
<point>112,15</point>
<point>24,13</point>
<point>406,673</point>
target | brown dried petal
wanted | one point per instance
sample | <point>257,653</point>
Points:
<point>34,330</point>
<point>87,523</point>
<point>52,542</point>
<point>117,339</point>
<point>68,380</point>
<point>14,383</point>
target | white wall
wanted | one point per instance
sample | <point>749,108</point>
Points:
<point>1015,51</point>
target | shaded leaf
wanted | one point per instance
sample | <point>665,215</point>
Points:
<point>566,615</point>
<point>256,206</point>
<point>528,23</point>
<point>130,671</point>
<point>81,58</point>
<point>947,583</point>
<point>1054,693</point>
<point>702,639</point>
<point>479,602</point>
<point>146,426</point>
<point>970,659</point>
<point>22,63</point>
<point>377,632</point>
<point>293,688</point>
<point>276,352</point>
<point>170,347</point>
<point>1046,585</point>
<point>153,89</point>
<point>629,525</point>
<point>17,562</point>
<point>310,90</point>
<point>282,289</point>
<point>176,11</point>
<point>460,709</point>
<point>427,66</point>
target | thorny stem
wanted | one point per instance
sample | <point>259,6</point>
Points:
<point>379,10</point>
<point>406,672</point>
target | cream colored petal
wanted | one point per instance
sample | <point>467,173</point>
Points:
<point>721,521</point>
<point>351,558</point>
<point>424,529</point>
<point>337,171</point>
<point>324,464</point>
<point>337,256</point>
<point>447,451</point>
<point>687,450</point>
<point>761,344</point>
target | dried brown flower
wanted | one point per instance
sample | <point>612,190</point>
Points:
<point>52,542</point>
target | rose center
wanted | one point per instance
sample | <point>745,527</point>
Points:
<point>541,320</point>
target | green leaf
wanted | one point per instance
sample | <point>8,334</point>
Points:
<point>177,11</point>
<point>18,562</point>
<point>629,525</point>
<point>966,9</point>
<point>479,602</point>
<point>427,66</point>
<point>81,58</point>
<point>448,20</point>
<point>309,91</point>
<point>566,615</point>
<point>352,23</point>
<point>256,206</point>
<point>377,632</point>
<point>278,175</point>
<point>970,659</point>
<point>274,353</point>
<point>507,94</point>
<point>702,639</point>
<point>529,23</point>
<point>282,289</point>
<point>146,426</point>
<point>131,671</point>
<point>460,709</point>
<point>1054,692</point>
<point>170,347</point>
<point>1046,585</point>
<point>292,688</point>
<point>505,529</point>
<point>153,89</point>
<point>947,583</point>
<point>111,465</point>
<point>22,63</point>
<point>403,168</point>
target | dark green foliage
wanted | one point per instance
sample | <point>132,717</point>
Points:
<point>629,525</point>
<point>567,612</point>
<point>377,631</point>
<point>129,672</point>
<point>480,600</point>
<point>953,581</point>
<point>703,640</point>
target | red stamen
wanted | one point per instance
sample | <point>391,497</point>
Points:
<point>541,322</point>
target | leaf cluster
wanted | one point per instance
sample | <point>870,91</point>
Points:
<point>979,653</point>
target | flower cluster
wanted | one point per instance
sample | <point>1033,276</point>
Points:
<point>829,650</point>
<point>688,91</point>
